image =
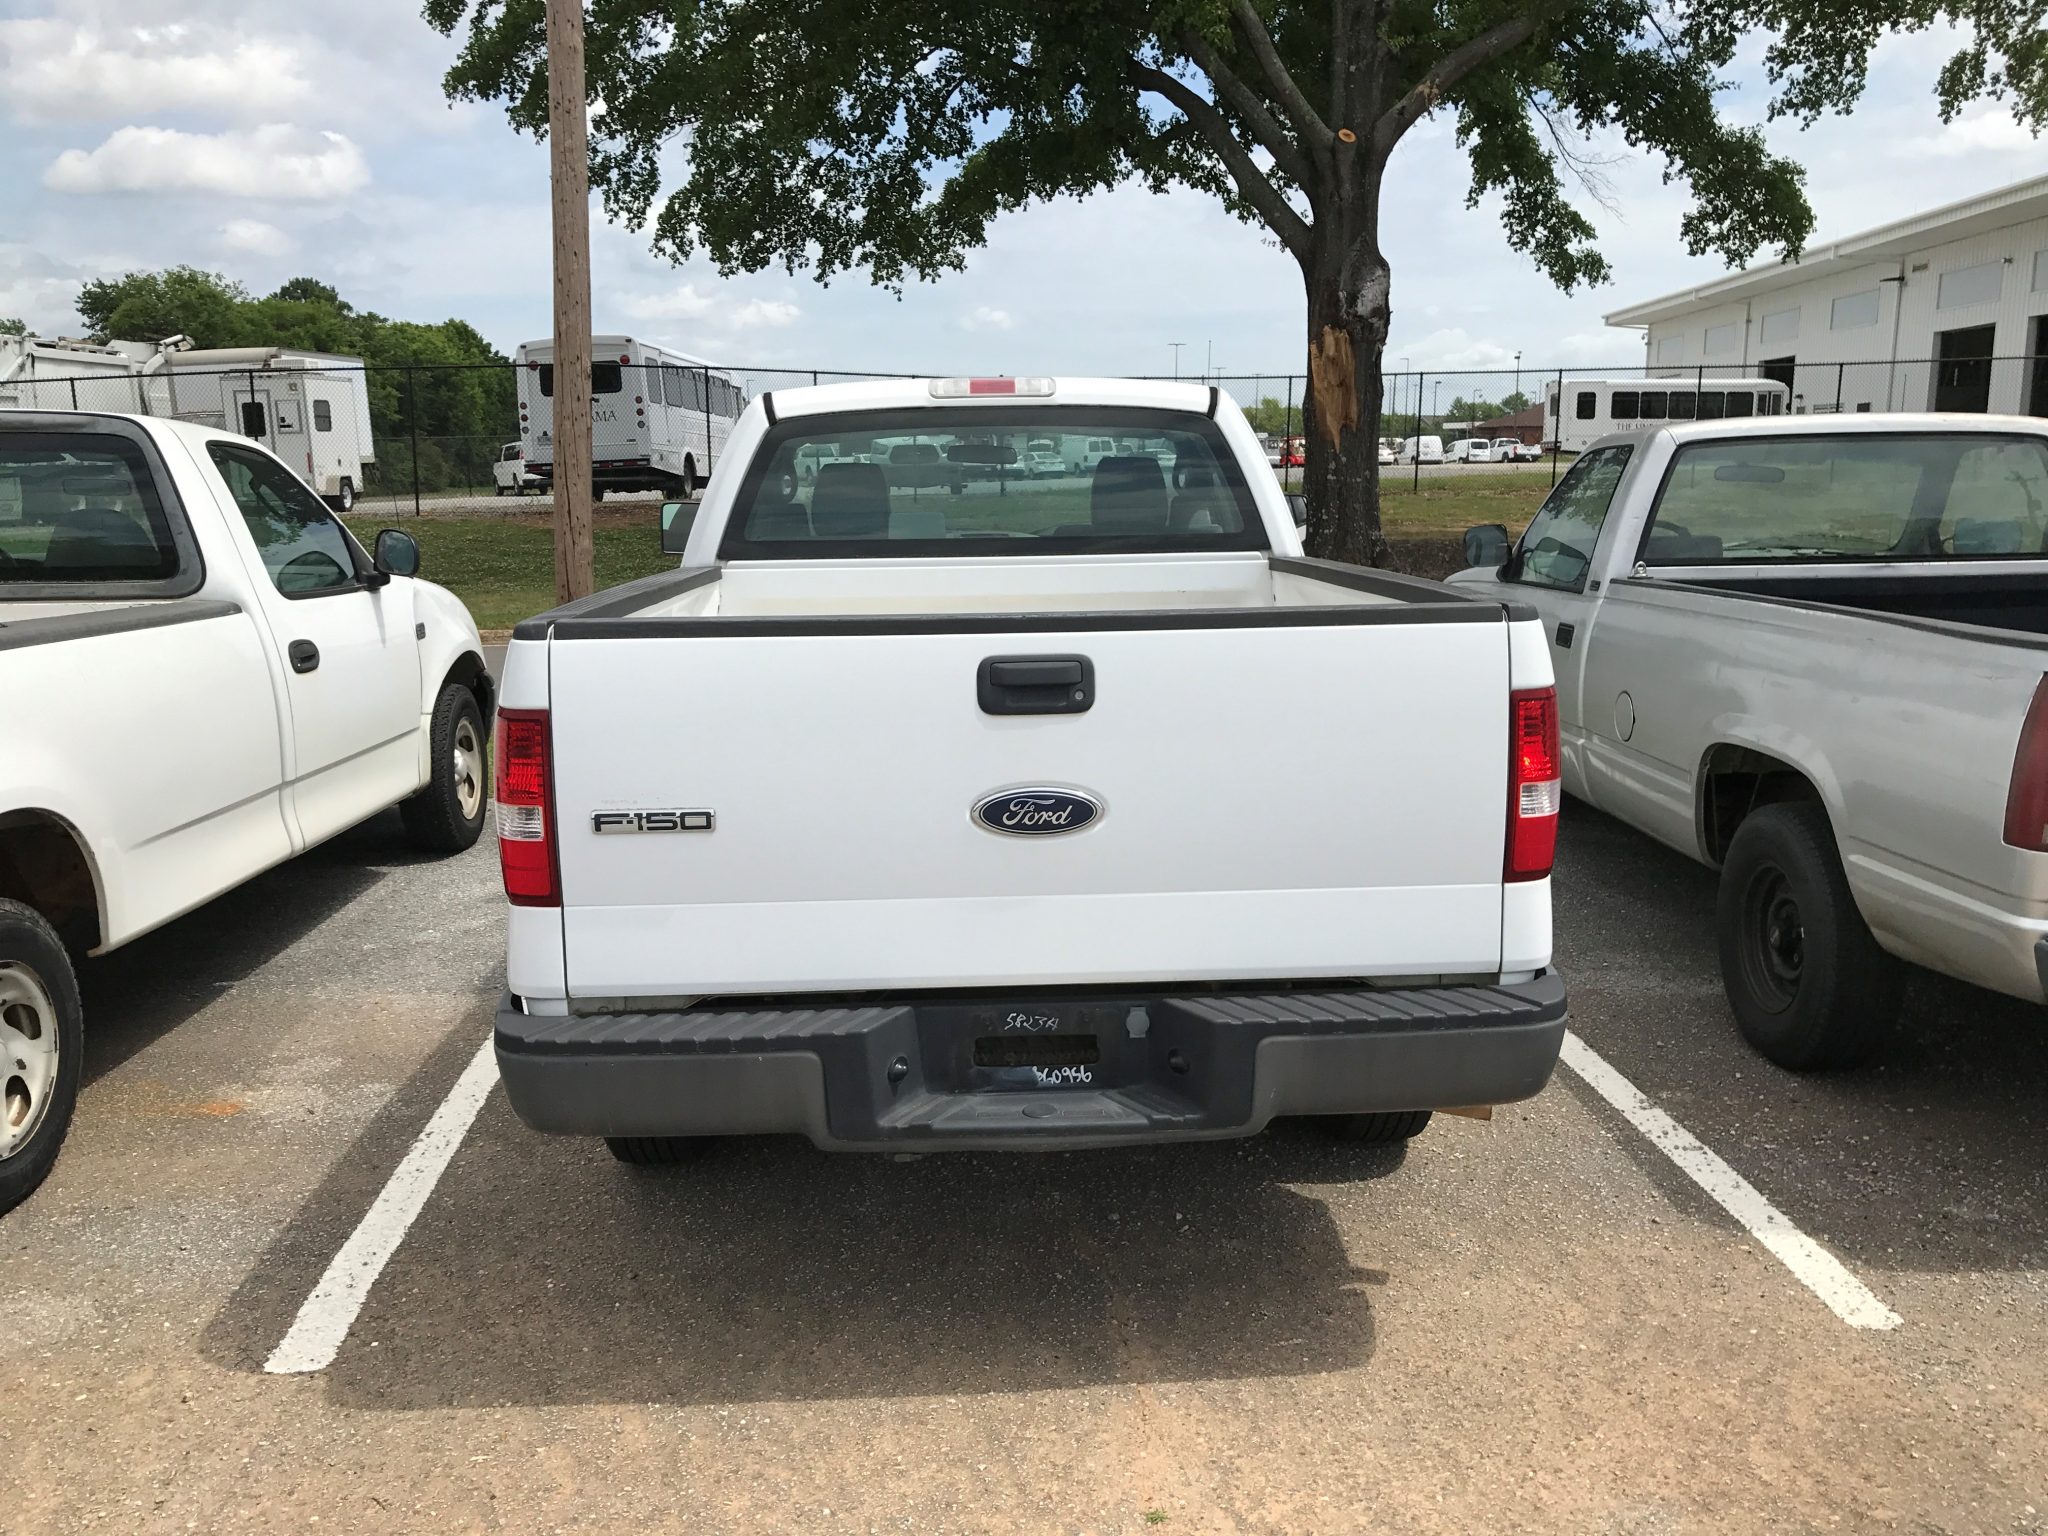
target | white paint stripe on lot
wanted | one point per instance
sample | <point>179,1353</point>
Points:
<point>1812,1265</point>
<point>316,1334</point>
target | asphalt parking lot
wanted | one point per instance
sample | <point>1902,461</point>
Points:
<point>1540,1323</point>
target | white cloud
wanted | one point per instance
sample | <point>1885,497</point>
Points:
<point>986,317</point>
<point>39,289</point>
<point>273,161</point>
<point>761,313</point>
<point>58,70</point>
<point>255,237</point>
<point>1991,131</point>
<point>684,303</point>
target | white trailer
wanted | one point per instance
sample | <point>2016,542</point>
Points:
<point>659,419</point>
<point>311,409</point>
<point>40,373</point>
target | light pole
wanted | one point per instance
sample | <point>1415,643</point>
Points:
<point>1176,345</point>
<point>1436,389</point>
<point>1518,370</point>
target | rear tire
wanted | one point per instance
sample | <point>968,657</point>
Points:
<point>447,815</point>
<point>42,1050</point>
<point>657,1151</point>
<point>1809,986</point>
<point>1376,1129</point>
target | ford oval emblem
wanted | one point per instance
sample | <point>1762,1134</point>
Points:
<point>1037,812</point>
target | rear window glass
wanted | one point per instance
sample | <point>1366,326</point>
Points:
<point>1855,497</point>
<point>981,480</point>
<point>79,510</point>
<point>605,379</point>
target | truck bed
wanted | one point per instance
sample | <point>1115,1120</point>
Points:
<point>1983,600</point>
<point>1278,585</point>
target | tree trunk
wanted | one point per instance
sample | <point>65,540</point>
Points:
<point>1348,315</point>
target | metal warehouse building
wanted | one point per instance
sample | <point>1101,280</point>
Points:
<point>1946,311</point>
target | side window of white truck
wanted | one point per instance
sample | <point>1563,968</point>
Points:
<point>80,516</point>
<point>303,548</point>
<point>1557,549</point>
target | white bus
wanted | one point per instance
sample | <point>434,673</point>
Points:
<point>659,419</point>
<point>1595,407</point>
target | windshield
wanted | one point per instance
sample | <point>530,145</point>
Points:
<point>978,479</point>
<point>1855,497</point>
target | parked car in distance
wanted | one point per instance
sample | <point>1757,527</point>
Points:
<point>1512,450</point>
<point>1389,451</point>
<point>1044,464</point>
<point>1469,450</point>
<point>1422,450</point>
<point>1007,914</point>
<point>203,674</point>
<point>1813,652</point>
<point>511,474</point>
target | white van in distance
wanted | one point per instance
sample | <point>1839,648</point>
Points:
<point>1422,450</point>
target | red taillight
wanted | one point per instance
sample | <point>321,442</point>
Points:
<point>526,832</point>
<point>1534,791</point>
<point>2026,802</point>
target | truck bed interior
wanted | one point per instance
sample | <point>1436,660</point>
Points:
<point>1104,584</point>
<point>2017,601</point>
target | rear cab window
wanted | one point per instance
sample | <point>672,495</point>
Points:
<point>955,480</point>
<point>1858,496</point>
<point>82,515</point>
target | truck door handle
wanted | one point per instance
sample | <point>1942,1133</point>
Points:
<point>1565,632</point>
<point>305,655</point>
<point>1035,685</point>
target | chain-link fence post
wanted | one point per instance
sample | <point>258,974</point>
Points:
<point>1418,431</point>
<point>1840,368</point>
<point>1557,427</point>
<point>1287,424</point>
<point>412,411</point>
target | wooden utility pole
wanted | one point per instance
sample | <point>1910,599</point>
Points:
<point>569,175</point>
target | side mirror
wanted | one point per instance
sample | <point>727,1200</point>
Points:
<point>397,553</point>
<point>1297,508</point>
<point>676,518</point>
<point>1486,545</point>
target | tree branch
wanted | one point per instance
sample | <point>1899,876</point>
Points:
<point>1265,127</point>
<point>1215,128</point>
<point>1285,91</point>
<point>1445,73</point>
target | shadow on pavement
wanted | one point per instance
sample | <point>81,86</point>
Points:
<point>144,989</point>
<point>1931,1157</point>
<point>542,1272</point>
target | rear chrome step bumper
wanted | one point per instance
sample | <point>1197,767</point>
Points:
<point>940,1073</point>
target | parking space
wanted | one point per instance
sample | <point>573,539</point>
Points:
<point>1539,1323</point>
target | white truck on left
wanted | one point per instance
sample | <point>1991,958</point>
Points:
<point>202,674</point>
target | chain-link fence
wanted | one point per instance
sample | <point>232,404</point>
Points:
<point>477,439</point>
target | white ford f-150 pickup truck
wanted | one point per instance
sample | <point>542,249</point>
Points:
<point>1814,653</point>
<point>201,674</point>
<point>906,819</point>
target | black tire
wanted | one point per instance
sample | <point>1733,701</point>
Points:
<point>690,481</point>
<point>447,815</point>
<point>1376,1129</point>
<point>657,1151</point>
<point>1809,986</point>
<point>38,1001</point>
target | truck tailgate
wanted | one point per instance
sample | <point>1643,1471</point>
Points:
<point>1323,798</point>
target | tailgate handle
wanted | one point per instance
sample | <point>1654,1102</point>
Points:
<point>1036,685</point>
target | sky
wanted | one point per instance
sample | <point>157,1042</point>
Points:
<point>267,141</point>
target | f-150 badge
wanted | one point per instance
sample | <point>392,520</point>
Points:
<point>651,821</point>
<point>1037,812</point>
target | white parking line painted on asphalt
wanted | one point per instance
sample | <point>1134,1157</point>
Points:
<point>1812,1265</point>
<point>316,1334</point>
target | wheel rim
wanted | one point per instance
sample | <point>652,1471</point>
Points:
<point>28,1056</point>
<point>348,496</point>
<point>1774,939</point>
<point>469,770</point>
